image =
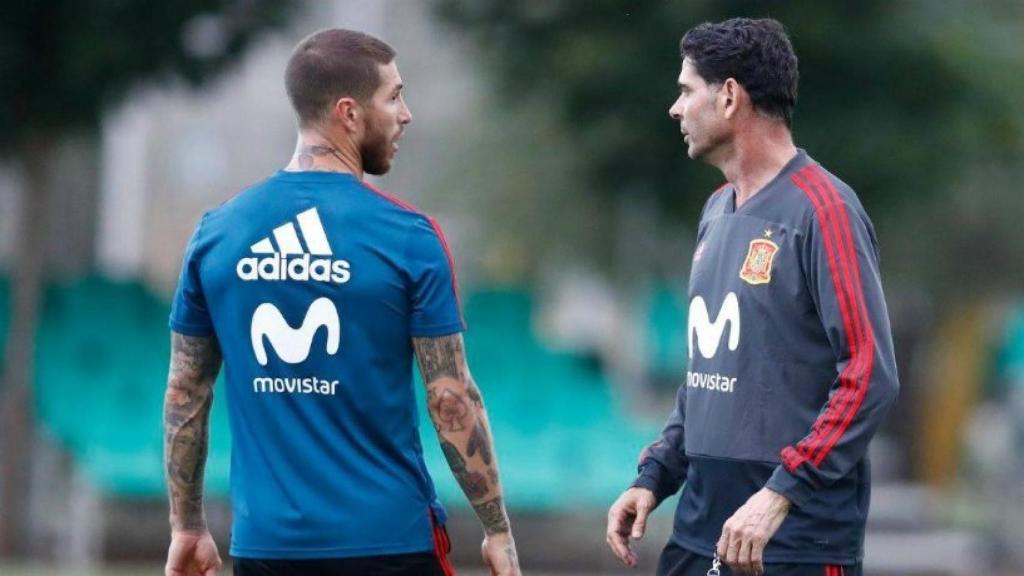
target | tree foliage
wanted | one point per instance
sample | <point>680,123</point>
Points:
<point>877,93</point>
<point>63,61</point>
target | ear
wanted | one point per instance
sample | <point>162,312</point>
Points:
<point>730,97</point>
<point>348,113</point>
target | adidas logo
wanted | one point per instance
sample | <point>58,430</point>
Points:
<point>289,261</point>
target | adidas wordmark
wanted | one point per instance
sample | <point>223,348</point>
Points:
<point>289,260</point>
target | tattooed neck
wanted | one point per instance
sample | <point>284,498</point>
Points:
<point>311,156</point>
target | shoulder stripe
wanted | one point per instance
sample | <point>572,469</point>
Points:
<point>437,230</point>
<point>844,269</point>
<point>451,262</point>
<point>391,198</point>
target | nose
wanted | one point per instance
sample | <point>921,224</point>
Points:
<point>405,116</point>
<point>676,110</point>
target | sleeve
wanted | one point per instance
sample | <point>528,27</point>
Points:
<point>840,260</point>
<point>189,314</point>
<point>434,297</point>
<point>663,464</point>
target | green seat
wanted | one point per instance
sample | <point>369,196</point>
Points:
<point>563,438</point>
<point>101,370</point>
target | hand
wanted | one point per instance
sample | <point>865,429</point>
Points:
<point>499,552</point>
<point>192,554</point>
<point>746,533</point>
<point>626,518</point>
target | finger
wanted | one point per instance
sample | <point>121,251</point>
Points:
<point>620,546</point>
<point>743,555</point>
<point>757,554</point>
<point>723,543</point>
<point>732,551</point>
<point>620,540</point>
<point>617,525</point>
<point>177,568</point>
<point>618,518</point>
<point>640,522</point>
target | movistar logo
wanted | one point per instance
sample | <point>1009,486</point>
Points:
<point>289,260</point>
<point>708,333</point>
<point>293,344</point>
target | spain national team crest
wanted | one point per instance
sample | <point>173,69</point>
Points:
<point>757,268</point>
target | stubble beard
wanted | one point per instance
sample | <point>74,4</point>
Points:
<point>376,151</point>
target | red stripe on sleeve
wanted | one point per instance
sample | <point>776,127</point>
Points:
<point>451,261</point>
<point>814,446</point>
<point>437,230</point>
<point>868,340</point>
<point>392,198</point>
<point>806,446</point>
<point>849,382</point>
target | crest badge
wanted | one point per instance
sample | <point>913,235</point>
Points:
<point>757,267</point>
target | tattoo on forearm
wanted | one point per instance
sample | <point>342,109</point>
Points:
<point>455,460</point>
<point>194,366</point>
<point>474,394</point>
<point>492,515</point>
<point>473,483</point>
<point>440,357</point>
<point>456,410</point>
<point>479,441</point>
<point>451,411</point>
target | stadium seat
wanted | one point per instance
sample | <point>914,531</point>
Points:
<point>563,438</point>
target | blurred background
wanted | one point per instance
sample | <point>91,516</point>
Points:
<point>542,144</point>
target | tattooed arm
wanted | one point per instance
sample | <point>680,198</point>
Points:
<point>457,411</point>
<point>195,362</point>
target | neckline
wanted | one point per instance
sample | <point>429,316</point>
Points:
<point>313,175</point>
<point>799,158</point>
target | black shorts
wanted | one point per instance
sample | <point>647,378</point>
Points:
<point>434,563</point>
<point>676,561</point>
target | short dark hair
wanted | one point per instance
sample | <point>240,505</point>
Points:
<point>332,64</point>
<point>756,53</point>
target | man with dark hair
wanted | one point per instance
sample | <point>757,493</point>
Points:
<point>771,428</point>
<point>316,289</point>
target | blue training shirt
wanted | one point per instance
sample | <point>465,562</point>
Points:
<point>314,284</point>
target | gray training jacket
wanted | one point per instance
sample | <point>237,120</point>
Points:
<point>791,369</point>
